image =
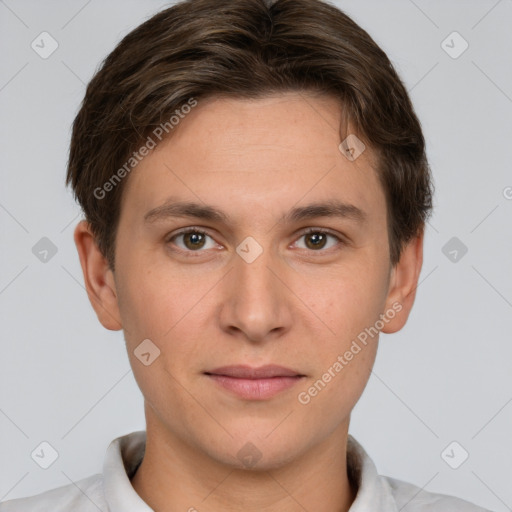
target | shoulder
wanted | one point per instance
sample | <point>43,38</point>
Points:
<point>411,498</point>
<point>86,495</point>
<point>387,494</point>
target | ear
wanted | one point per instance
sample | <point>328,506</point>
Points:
<point>403,283</point>
<point>98,278</point>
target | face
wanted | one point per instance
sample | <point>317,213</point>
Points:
<point>254,297</point>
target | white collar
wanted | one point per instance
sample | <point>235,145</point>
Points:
<point>125,453</point>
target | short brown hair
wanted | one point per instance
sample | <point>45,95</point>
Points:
<point>246,49</point>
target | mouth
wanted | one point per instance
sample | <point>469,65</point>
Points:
<point>255,383</point>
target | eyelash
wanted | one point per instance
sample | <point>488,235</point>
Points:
<point>308,231</point>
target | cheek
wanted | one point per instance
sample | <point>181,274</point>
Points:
<point>144,310</point>
<point>342,384</point>
<point>152,299</point>
<point>343,361</point>
<point>346,302</point>
<point>170,309</point>
<point>349,304</point>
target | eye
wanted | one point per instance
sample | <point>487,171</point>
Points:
<point>193,239</point>
<point>317,239</point>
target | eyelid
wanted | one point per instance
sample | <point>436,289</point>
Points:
<point>340,239</point>
<point>184,231</point>
<point>196,229</point>
<point>327,231</point>
<point>188,229</point>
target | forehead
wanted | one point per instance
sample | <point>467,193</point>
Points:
<point>277,151</point>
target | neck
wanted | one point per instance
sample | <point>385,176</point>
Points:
<point>174,476</point>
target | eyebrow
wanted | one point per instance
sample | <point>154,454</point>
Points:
<point>330,208</point>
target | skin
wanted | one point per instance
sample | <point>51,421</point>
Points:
<point>295,305</point>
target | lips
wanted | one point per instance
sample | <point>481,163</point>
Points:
<point>247,372</point>
<point>251,383</point>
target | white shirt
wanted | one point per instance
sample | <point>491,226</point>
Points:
<point>113,492</point>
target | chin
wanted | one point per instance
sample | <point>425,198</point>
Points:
<point>258,449</point>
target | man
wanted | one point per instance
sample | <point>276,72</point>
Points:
<point>255,187</point>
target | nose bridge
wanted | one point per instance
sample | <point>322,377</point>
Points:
<point>256,279</point>
<point>257,302</point>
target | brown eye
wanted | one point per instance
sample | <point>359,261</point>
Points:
<point>318,239</point>
<point>192,240</point>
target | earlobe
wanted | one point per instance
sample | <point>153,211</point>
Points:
<point>403,284</point>
<point>98,278</point>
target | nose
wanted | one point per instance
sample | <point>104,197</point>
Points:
<point>256,300</point>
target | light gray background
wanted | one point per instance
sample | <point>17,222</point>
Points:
<point>446,376</point>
